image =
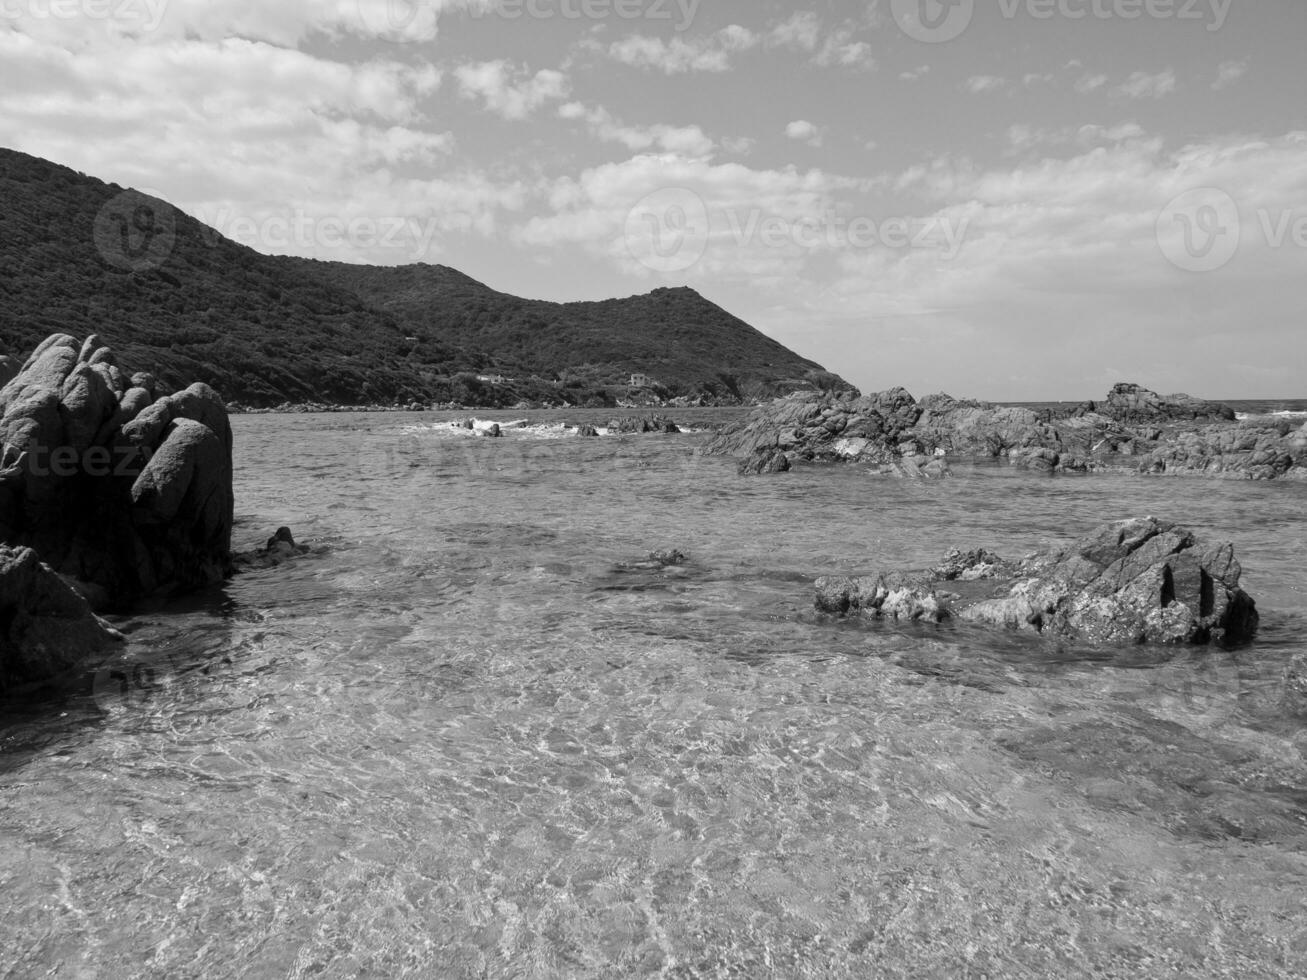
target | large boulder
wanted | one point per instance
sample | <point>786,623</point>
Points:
<point>1136,581</point>
<point>1134,403</point>
<point>126,493</point>
<point>46,627</point>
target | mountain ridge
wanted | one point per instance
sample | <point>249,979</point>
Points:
<point>175,297</point>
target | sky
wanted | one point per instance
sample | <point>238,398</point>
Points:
<point>1003,199</point>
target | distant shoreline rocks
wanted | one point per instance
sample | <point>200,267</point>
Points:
<point>1133,430</point>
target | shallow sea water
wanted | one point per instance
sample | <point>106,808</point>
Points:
<point>471,735</point>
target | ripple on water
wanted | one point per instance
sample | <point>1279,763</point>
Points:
<point>477,735</point>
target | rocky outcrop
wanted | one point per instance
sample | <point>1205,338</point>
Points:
<point>46,627</point>
<point>1137,581</point>
<point>639,426</point>
<point>1246,450</point>
<point>765,461</point>
<point>1132,403</point>
<point>125,492</point>
<point>885,430</point>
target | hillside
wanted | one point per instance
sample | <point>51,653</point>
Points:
<point>174,297</point>
<point>683,343</point>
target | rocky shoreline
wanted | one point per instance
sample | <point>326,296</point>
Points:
<point>1132,430</point>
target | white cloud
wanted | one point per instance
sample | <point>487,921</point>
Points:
<point>285,23</point>
<point>977,84</point>
<point>508,90</point>
<point>1023,138</point>
<point>591,211</point>
<point>1229,72</point>
<point>1090,83</point>
<point>919,72</point>
<point>1143,85</point>
<point>805,132</point>
<point>802,30</point>
<point>708,53</point>
<point>689,141</point>
<point>841,50</point>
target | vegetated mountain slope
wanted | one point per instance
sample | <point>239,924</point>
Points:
<point>681,341</point>
<point>174,297</point>
<point>211,310</point>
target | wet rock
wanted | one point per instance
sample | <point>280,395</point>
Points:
<point>587,432</point>
<point>765,461</point>
<point>1131,582</point>
<point>280,548</point>
<point>892,595</point>
<point>493,432</point>
<point>127,493</point>
<point>640,426</point>
<point>669,557</point>
<point>969,566</point>
<point>46,627</point>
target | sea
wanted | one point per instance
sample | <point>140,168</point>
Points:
<point>476,732</point>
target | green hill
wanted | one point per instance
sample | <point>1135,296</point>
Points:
<point>174,297</point>
<point>683,343</point>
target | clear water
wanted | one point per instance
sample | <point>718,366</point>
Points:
<point>471,737</point>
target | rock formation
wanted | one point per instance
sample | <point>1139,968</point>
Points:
<point>638,426</point>
<point>123,491</point>
<point>1137,581</point>
<point>1142,432</point>
<point>1132,403</point>
<point>46,628</point>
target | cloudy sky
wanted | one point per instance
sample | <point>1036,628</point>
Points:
<point>1016,199</point>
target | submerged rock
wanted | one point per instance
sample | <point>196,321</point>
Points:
<point>280,547</point>
<point>1137,581</point>
<point>112,486</point>
<point>46,627</point>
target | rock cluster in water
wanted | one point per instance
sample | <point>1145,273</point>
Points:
<point>115,485</point>
<point>1130,582</point>
<point>1133,428</point>
<point>642,425</point>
